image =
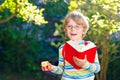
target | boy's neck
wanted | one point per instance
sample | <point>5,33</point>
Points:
<point>76,41</point>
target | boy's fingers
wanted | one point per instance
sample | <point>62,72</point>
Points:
<point>77,59</point>
<point>85,57</point>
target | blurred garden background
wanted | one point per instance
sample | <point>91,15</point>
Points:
<point>31,32</point>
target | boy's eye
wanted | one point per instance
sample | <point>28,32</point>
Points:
<point>69,26</point>
<point>75,27</point>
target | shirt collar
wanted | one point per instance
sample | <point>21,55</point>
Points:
<point>82,42</point>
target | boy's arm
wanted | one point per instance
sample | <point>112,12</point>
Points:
<point>59,69</point>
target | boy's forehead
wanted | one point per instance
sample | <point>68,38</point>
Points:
<point>76,20</point>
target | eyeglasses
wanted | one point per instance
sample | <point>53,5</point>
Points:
<point>75,27</point>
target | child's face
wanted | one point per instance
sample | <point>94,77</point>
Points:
<point>74,31</point>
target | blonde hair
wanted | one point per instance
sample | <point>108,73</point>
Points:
<point>79,18</point>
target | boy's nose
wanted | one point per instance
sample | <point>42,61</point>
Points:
<point>73,28</point>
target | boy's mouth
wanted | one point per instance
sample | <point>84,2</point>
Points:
<point>73,34</point>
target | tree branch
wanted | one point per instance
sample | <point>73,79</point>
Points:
<point>114,59</point>
<point>7,19</point>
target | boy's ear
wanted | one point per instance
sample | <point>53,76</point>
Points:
<point>64,29</point>
<point>83,32</point>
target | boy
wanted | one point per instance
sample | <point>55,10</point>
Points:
<point>78,59</point>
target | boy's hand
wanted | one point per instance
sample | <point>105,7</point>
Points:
<point>47,66</point>
<point>80,62</point>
